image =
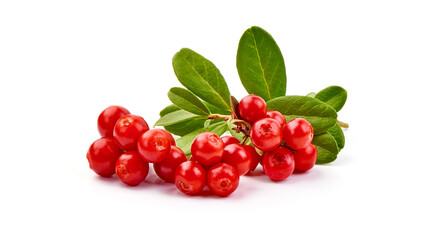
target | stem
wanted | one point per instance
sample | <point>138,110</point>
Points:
<point>219,116</point>
<point>343,124</point>
<point>245,138</point>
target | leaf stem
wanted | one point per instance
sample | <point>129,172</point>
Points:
<point>343,124</point>
<point>219,116</point>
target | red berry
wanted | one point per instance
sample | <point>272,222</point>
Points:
<point>131,169</point>
<point>255,157</point>
<point>102,156</point>
<point>170,137</point>
<point>108,118</point>
<point>229,140</point>
<point>236,155</point>
<point>278,164</point>
<point>127,131</point>
<point>298,133</point>
<point>190,177</point>
<point>305,158</point>
<point>266,134</point>
<point>166,169</point>
<point>222,179</point>
<point>252,108</point>
<point>207,148</point>
<point>154,145</point>
<point>277,116</point>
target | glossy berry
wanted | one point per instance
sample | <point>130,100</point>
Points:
<point>236,155</point>
<point>298,133</point>
<point>278,164</point>
<point>102,156</point>
<point>222,179</point>
<point>229,140</point>
<point>266,134</point>
<point>154,145</point>
<point>276,115</point>
<point>166,169</point>
<point>127,131</point>
<point>108,118</point>
<point>252,108</point>
<point>170,137</point>
<point>205,167</point>
<point>207,148</point>
<point>255,157</point>
<point>190,177</point>
<point>305,158</point>
<point>131,169</point>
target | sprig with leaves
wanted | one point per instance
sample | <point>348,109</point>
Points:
<point>205,104</point>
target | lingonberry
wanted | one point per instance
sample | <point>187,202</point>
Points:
<point>154,145</point>
<point>305,158</point>
<point>127,131</point>
<point>108,118</point>
<point>266,134</point>
<point>298,133</point>
<point>207,148</point>
<point>255,157</point>
<point>222,179</point>
<point>131,169</point>
<point>252,108</point>
<point>229,140</point>
<point>166,169</point>
<point>278,164</point>
<point>102,156</point>
<point>277,116</point>
<point>236,155</point>
<point>190,177</point>
<point>170,137</point>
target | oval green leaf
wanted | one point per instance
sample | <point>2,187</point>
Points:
<point>214,109</point>
<point>334,95</point>
<point>260,64</point>
<point>168,109</point>
<point>321,116</point>
<point>185,142</point>
<point>338,135</point>
<point>176,117</point>
<point>200,76</point>
<point>327,148</point>
<point>187,101</point>
<point>185,127</point>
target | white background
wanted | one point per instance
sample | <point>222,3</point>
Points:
<point>63,62</point>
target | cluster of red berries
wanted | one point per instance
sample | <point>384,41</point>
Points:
<point>286,146</point>
<point>128,146</point>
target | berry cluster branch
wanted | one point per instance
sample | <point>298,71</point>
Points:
<point>219,116</point>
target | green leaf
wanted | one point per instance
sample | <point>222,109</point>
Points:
<point>185,127</point>
<point>338,135</point>
<point>176,117</point>
<point>186,100</point>
<point>188,126</point>
<point>260,64</point>
<point>185,142</point>
<point>334,95</point>
<point>238,135</point>
<point>311,94</point>
<point>200,76</point>
<point>214,109</point>
<point>321,115</point>
<point>327,148</point>
<point>207,123</point>
<point>168,109</point>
